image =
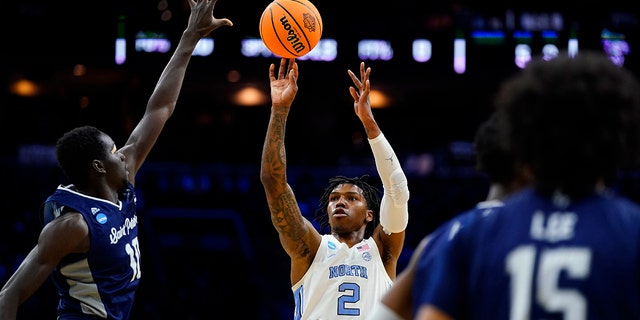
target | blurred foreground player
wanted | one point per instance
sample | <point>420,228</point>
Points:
<point>568,247</point>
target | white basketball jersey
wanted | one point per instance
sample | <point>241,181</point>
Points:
<point>342,282</point>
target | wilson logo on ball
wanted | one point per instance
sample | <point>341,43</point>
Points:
<point>292,36</point>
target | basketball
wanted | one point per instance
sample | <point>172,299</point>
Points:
<point>290,28</point>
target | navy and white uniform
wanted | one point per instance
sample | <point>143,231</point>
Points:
<point>100,284</point>
<point>539,258</point>
<point>342,282</point>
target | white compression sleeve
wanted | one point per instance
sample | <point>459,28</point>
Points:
<point>394,215</point>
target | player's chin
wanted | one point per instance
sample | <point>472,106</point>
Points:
<point>340,221</point>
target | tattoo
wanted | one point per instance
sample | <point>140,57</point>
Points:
<point>285,214</point>
<point>286,217</point>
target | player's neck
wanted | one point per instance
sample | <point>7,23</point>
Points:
<point>350,239</point>
<point>497,192</point>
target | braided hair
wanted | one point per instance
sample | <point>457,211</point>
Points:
<point>370,193</point>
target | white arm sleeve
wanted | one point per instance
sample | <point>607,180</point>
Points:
<point>394,212</point>
<point>381,311</point>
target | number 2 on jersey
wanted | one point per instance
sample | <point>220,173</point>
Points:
<point>352,296</point>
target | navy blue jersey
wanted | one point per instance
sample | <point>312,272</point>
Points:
<point>538,258</point>
<point>447,231</point>
<point>102,282</point>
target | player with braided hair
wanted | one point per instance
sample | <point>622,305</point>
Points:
<point>370,193</point>
<point>340,275</point>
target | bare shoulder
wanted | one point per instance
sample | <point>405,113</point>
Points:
<point>71,221</point>
<point>68,233</point>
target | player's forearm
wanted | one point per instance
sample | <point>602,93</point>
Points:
<point>394,212</point>
<point>167,90</point>
<point>274,161</point>
<point>371,127</point>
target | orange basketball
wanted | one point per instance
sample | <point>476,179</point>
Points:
<point>290,28</point>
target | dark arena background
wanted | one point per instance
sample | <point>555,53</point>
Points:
<point>206,235</point>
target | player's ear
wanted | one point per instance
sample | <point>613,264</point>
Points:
<point>370,215</point>
<point>98,166</point>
